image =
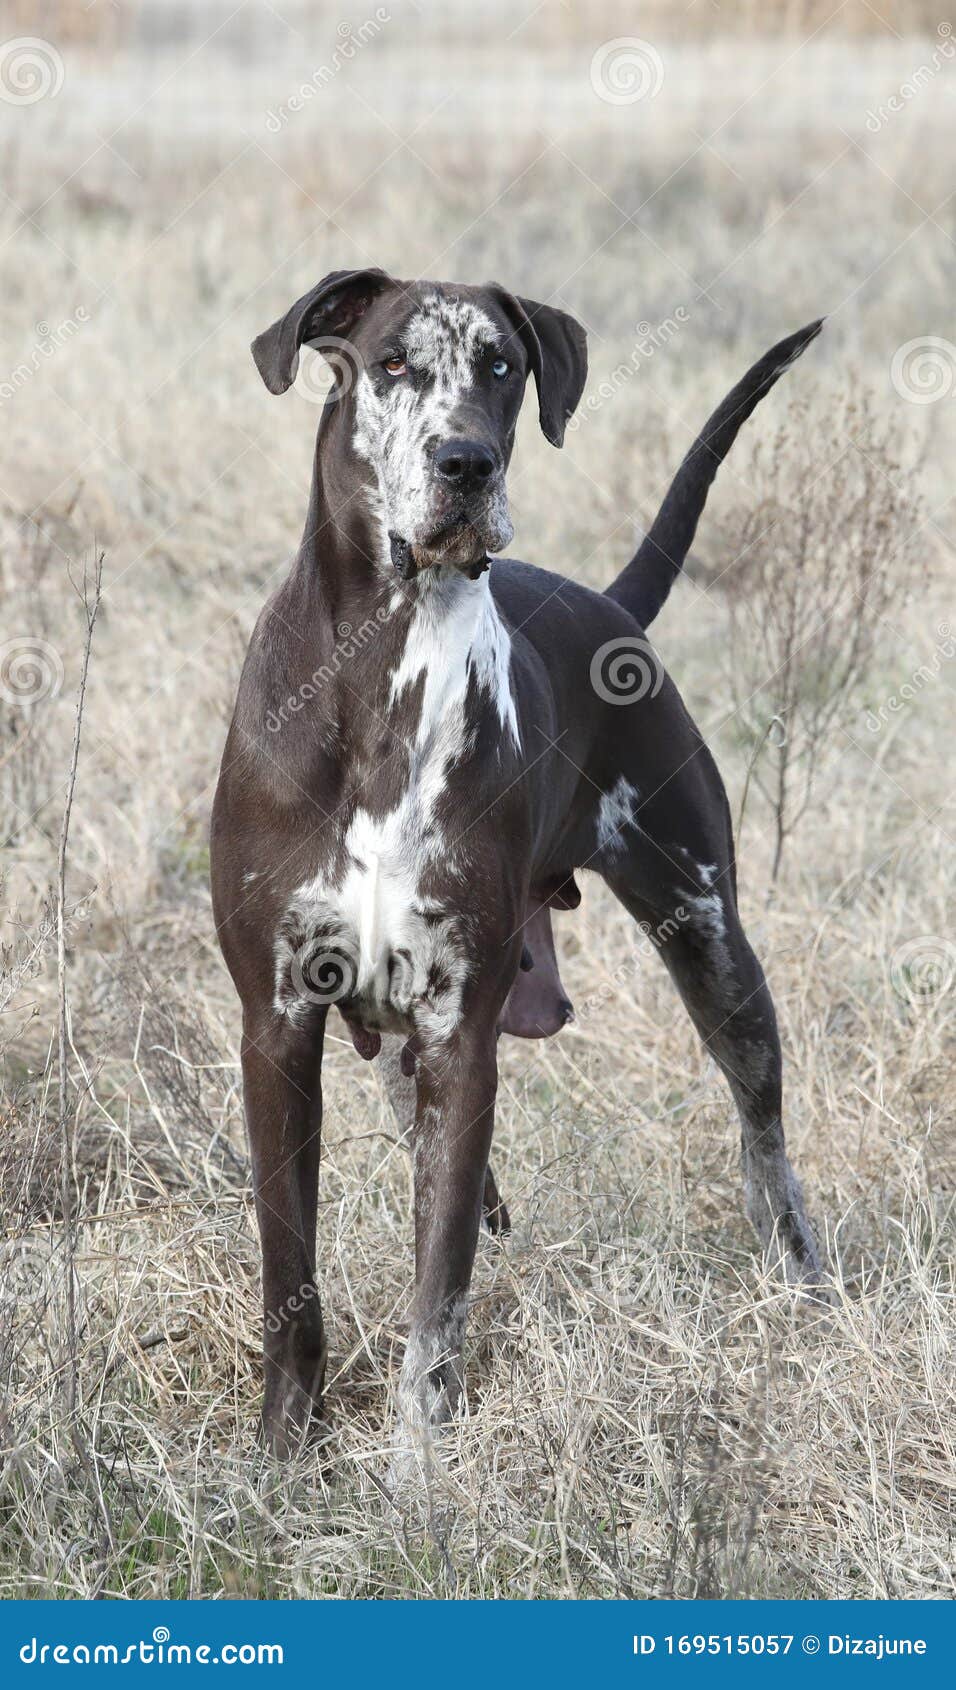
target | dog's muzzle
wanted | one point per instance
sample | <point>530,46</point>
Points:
<point>469,515</point>
<point>408,560</point>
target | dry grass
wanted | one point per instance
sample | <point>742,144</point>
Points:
<point>646,1413</point>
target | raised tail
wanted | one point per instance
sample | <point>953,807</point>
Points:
<point>645,582</point>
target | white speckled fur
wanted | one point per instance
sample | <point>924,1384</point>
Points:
<point>456,632</point>
<point>707,912</point>
<point>393,430</point>
<point>423,1403</point>
<point>375,908</point>
<point>616,811</point>
<point>375,911</point>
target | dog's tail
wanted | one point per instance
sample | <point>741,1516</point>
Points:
<point>645,582</point>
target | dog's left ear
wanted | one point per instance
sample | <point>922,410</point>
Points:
<point>332,308</point>
<point>557,348</point>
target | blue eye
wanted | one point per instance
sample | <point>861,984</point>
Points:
<point>500,368</point>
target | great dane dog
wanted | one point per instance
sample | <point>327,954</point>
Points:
<point>424,749</point>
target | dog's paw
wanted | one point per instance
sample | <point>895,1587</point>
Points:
<point>292,1410</point>
<point>416,1470</point>
<point>777,1212</point>
<point>790,1252</point>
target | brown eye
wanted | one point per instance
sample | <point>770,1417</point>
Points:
<point>394,366</point>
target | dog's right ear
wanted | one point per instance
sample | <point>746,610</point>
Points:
<point>332,308</point>
<point>557,349</point>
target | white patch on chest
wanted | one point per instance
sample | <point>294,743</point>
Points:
<point>402,952</point>
<point>456,635</point>
<point>398,953</point>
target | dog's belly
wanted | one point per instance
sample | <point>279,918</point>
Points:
<point>376,936</point>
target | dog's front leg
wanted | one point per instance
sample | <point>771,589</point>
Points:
<point>455,1118</point>
<point>283,1102</point>
<point>402,1093</point>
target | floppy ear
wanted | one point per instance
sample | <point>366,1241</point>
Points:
<point>557,348</point>
<point>332,307</point>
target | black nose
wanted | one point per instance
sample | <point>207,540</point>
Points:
<point>464,462</point>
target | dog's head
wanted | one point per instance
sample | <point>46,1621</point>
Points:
<point>429,380</point>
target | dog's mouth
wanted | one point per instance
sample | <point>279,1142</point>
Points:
<point>458,543</point>
<point>462,541</point>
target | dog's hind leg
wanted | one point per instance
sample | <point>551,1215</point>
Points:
<point>401,1089</point>
<point>698,934</point>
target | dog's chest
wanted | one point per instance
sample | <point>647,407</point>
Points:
<point>378,934</point>
<point>382,930</point>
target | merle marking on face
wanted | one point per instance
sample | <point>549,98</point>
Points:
<point>433,386</point>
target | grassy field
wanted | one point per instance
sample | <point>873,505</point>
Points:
<point>648,1414</point>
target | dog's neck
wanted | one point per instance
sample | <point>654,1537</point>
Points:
<point>341,549</point>
<point>345,553</point>
<point>368,638</point>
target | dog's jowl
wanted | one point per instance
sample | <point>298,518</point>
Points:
<point>428,743</point>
